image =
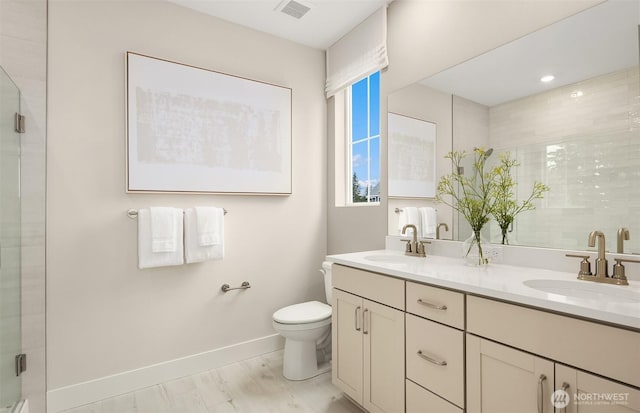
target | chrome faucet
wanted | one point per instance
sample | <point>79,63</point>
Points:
<point>623,235</point>
<point>602,269</point>
<point>446,228</point>
<point>414,247</point>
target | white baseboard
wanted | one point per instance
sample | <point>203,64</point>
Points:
<point>94,390</point>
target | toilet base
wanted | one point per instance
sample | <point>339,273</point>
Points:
<point>300,362</point>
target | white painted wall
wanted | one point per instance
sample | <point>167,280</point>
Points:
<point>104,315</point>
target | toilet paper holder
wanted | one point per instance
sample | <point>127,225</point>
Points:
<point>243,286</point>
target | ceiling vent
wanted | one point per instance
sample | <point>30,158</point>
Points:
<point>293,8</point>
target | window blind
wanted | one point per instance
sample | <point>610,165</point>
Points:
<point>358,54</point>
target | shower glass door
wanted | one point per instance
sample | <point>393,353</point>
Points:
<point>10,277</point>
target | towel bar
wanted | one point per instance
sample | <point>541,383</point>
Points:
<point>133,213</point>
<point>243,286</point>
<point>399,210</point>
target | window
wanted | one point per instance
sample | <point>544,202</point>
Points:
<point>363,143</point>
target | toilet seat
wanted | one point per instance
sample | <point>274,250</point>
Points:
<point>303,313</point>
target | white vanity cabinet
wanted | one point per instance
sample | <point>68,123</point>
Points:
<point>368,338</point>
<point>404,346</point>
<point>501,377</point>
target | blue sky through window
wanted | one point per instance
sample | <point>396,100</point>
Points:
<point>365,134</point>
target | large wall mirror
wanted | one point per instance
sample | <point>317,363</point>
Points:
<point>578,133</point>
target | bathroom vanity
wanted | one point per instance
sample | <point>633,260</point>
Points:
<point>431,334</point>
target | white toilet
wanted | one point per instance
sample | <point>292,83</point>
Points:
<point>307,330</point>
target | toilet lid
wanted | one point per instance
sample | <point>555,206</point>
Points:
<point>308,312</point>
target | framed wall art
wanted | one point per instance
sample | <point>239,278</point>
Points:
<point>193,130</point>
<point>411,157</point>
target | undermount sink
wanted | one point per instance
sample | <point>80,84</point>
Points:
<point>390,259</point>
<point>586,289</point>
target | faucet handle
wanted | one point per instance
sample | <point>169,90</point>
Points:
<point>585,265</point>
<point>619,270</point>
<point>407,249</point>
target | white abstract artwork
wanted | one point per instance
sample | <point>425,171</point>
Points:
<point>411,157</point>
<point>196,130</point>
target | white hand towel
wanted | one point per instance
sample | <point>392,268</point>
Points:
<point>193,251</point>
<point>146,257</point>
<point>209,221</point>
<point>409,215</point>
<point>429,219</point>
<point>164,237</point>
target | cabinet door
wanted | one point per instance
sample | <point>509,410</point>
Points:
<point>501,379</point>
<point>586,393</point>
<point>347,369</point>
<point>383,331</point>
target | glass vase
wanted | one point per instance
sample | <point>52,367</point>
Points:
<point>504,232</point>
<point>473,250</point>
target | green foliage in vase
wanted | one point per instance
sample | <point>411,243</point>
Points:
<point>505,207</point>
<point>469,195</point>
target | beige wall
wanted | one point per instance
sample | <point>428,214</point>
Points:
<point>23,55</point>
<point>104,315</point>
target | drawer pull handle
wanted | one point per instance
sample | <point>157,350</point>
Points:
<point>430,305</point>
<point>431,359</point>
<point>541,380</point>
<point>565,388</point>
<point>364,321</point>
<point>357,318</point>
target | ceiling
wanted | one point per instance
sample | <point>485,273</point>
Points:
<point>600,40</point>
<point>325,23</point>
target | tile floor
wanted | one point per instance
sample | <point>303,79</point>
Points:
<point>255,385</point>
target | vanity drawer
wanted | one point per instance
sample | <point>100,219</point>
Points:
<point>420,400</point>
<point>429,340</point>
<point>606,350</point>
<point>376,287</point>
<point>436,304</point>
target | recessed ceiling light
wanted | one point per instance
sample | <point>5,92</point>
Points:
<point>547,78</point>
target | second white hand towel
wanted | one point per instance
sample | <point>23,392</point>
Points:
<point>147,258</point>
<point>164,236</point>
<point>209,221</point>
<point>193,250</point>
<point>429,219</point>
<point>409,215</point>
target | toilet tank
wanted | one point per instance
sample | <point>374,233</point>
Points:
<point>326,272</point>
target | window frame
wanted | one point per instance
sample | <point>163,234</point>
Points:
<point>349,143</point>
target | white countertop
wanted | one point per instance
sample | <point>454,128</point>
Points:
<point>505,282</point>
